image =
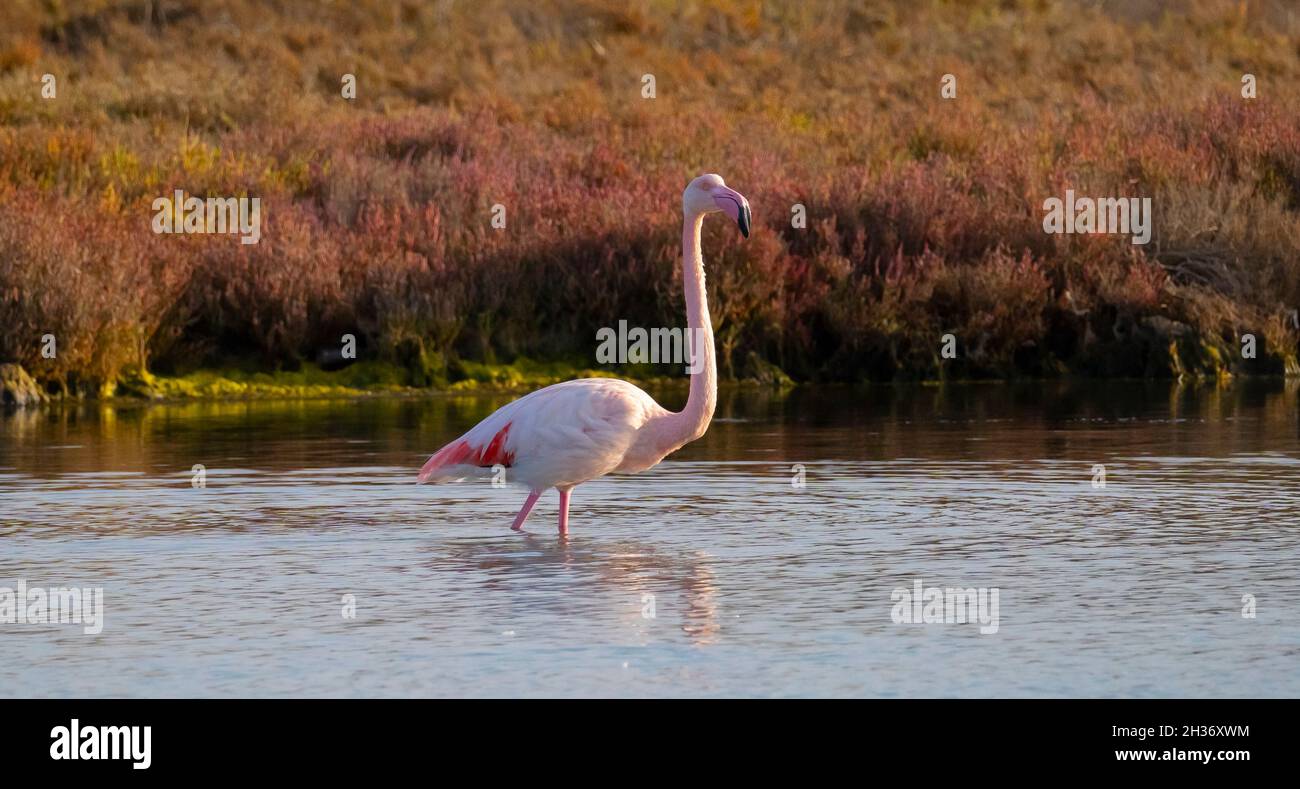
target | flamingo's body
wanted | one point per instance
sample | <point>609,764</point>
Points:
<point>572,432</point>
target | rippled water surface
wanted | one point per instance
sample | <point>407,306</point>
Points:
<point>715,573</point>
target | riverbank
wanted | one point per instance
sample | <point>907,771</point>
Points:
<point>310,382</point>
<point>1155,353</point>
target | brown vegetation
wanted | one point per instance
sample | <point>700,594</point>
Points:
<point>924,215</point>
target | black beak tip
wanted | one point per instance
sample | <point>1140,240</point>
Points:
<point>744,221</point>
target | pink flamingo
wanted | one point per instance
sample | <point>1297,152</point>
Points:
<point>566,434</point>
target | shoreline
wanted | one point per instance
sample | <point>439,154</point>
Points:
<point>220,386</point>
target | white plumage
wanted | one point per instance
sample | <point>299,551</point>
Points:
<point>556,437</point>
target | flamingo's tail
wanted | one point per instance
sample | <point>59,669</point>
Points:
<point>436,467</point>
<point>461,457</point>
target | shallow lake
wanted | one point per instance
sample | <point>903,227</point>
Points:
<point>774,557</point>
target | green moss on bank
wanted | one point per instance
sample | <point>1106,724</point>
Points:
<point>356,380</point>
<point>308,382</point>
<point>523,373</point>
<point>376,377</point>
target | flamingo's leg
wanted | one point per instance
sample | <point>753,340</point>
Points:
<point>518,525</point>
<point>564,510</point>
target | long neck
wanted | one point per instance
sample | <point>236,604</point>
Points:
<point>691,422</point>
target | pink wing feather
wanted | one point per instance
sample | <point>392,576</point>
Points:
<point>462,452</point>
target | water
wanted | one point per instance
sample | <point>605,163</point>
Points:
<point>760,587</point>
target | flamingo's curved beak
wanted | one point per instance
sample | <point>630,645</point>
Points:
<point>734,205</point>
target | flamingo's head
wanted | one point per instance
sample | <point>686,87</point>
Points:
<point>708,194</point>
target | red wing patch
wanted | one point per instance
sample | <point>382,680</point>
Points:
<point>460,452</point>
<point>495,452</point>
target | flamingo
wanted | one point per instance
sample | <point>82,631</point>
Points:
<point>575,431</point>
